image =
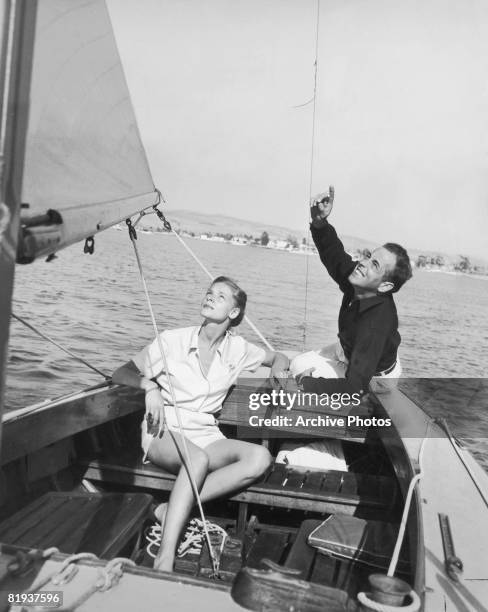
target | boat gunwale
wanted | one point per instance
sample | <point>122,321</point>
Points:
<point>36,429</point>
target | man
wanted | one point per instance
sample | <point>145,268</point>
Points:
<point>368,322</point>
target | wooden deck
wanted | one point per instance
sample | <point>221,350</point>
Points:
<point>79,522</point>
<point>283,486</point>
<point>235,412</point>
<point>284,546</point>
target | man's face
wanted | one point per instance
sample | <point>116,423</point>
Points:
<point>370,271</point>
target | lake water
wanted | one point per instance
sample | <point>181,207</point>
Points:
<point>94,305</point>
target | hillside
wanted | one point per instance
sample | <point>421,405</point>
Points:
<point>200,223</point>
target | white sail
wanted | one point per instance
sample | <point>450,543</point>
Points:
<point>84,156</point>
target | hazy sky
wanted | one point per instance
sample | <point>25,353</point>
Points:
<point>402,111</point>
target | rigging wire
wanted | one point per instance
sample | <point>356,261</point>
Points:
<point>211,276</point>
<point>187,462</point>
<point>67,351</point>
<point>314,100</point>
<point>186,454</point>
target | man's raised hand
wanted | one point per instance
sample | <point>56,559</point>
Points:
<point>321,207</point>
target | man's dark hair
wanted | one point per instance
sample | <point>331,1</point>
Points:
<point>402,270</point>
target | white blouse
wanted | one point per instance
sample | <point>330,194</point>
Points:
<point>193,390</point>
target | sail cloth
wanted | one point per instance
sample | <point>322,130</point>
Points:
<point>84,156</point>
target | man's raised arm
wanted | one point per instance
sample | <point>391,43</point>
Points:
<point>331,250</point>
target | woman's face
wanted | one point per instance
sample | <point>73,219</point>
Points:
<point>218,304</point>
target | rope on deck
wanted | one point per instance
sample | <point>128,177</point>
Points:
<point>186,453</point>
<point>370,604</point>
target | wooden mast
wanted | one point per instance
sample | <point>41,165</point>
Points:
<point>17,44</point>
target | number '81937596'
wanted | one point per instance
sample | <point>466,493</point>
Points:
<point>45,599</point>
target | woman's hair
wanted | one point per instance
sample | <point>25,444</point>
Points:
<point>240,297</point>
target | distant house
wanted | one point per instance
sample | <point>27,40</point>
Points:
<point>307,248</point>
<point>277,244</point>
<point>239,241</point>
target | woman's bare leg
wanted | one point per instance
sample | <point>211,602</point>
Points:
<point>233,464</point>
<point>164,452</point>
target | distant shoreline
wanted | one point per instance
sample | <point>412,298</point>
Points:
<point>301,249</point>
<point>477,275</point>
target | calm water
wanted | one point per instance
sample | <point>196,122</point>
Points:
<point>94,306</point>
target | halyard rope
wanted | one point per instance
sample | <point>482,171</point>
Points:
<point>198,261</point>
<point>314,99</point>
<point>187,462</point>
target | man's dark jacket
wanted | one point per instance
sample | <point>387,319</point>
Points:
<point>368,328</point>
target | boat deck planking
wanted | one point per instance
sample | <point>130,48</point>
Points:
<point>322,491</point>
<point>370,495</point>
<point>79,522</point>
<point>446,490</point>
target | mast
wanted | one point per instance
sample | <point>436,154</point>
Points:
<point>17,22</point>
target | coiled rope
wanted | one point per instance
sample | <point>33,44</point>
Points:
<point>191,542</point>
<point>370,604</point>
<point>108,577</point>
<point>186,454</point>
<point>64,573</point>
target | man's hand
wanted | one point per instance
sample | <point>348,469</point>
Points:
<point>154,412</point>
<point>321,207</point>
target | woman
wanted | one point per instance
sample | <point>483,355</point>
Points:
<point>203,363</point>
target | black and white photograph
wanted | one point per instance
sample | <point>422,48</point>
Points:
<point>244,305</point>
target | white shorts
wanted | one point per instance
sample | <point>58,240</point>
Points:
<point>330,362</point>
<point>199,427</point>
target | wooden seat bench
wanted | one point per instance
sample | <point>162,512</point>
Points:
<point>324,569</point>
<point>235,412</point>
<point>329,569</point>
<point>103,524</point>
<point>283,486</point>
